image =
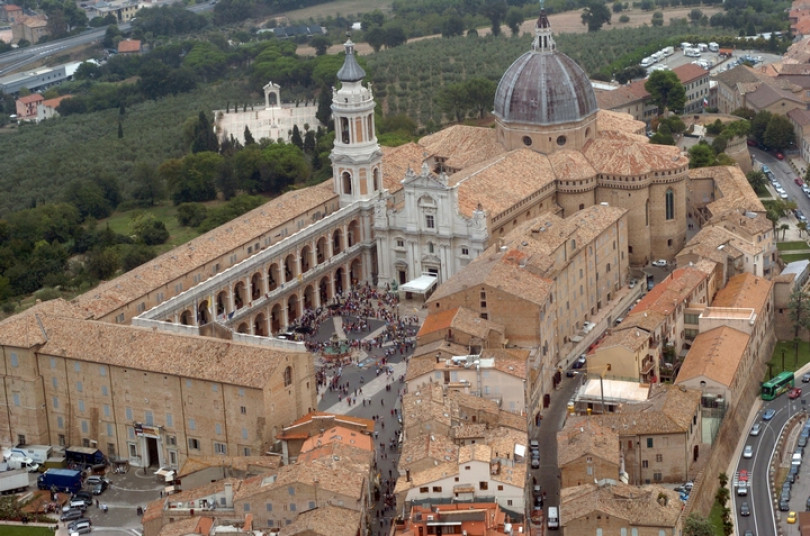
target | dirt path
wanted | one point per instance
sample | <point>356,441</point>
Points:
<point>568,22</point>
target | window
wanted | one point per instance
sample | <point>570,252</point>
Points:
<point>246,507</point>
<point>244,433</point>
<point>657,477</point>
<point>104,390</point>
<point>62,440</point>
<point>55,401</point>
<point>246,451</point>
<point>193,444</point>
<point>14,360</point>
<point>483,486</point>
<point>430,221</point>
<point>465,251</point>
<point>400,243</point>
<point>243,410</point>
<point>128,413</point>
<point>16,398</point>
<point>169,420</point>
<point>220,448</point>
<point>81,406</point>
<point>500,487</point>
<point>55,382</point>
<point>644,464</point>
<point>85,427</point>
<point>292,507</point>
<point>423,489</point>
<point>649,442</point>
<point>106,410</point>
<point>77,367</point>
<point>287,376</point>
<point>669,198</point>
<point>659,458</point>
<point>214,387</point>
<point>437,489</point>
<point>269,507</point>
<point>102,370</point>
<point>133,451</point>
<point>192,424</point>
<point>109,429</point>
<point>218,428</point>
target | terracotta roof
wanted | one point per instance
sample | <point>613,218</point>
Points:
<point>732,190</point>
<point>129,45</point>
<point>246,464</point>
<point>431,348</point>
<point>53,103</point>
<point>484,183</point>
<point>161,352</point>
<point>621,96</point>
<point>715,354</point>
<point>436,448</point>
<point>608,121</point>
<point>582,436</point>
<point>737,75</point>
<point>668,410</point>
<point>744,291</point>
<point>765,95</point>
<point>329,420</point>
<point>437,321</point>
<point>339,434</point>
<point>188,258</point>
<point>33,97</point>
<point>632,339</point>
<point>624,504</point>
<point>800,116</point>
<point>191,525</point>
<point>325,520</point>
<point>619,157</point>
<point>462,146</point>
<point>24,330</point>
<point>690,72</point>
<point>676,289</point>
<point>397,161</point>
<point>571,165</point>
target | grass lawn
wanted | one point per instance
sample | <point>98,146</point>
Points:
<point>791,257</point>
<point>9,530</point>
<point>790,357</point>
<point>716,518</point>
<point>787,246</point>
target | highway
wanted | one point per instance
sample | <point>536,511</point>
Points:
<point>760,498</point>
<point>19,58</point>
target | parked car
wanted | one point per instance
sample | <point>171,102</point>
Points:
<point>661,263</point>
<point>783,195</point>
<point>794,393</point>
<point>779,156</point>
<point>748,451</point>
<point>800,215</point>
<point>580,362</point>
<point>71,514</point>
<point>791,518</point>
<point>798,181</point>
<point>768,415</point>
<point>806,377</point>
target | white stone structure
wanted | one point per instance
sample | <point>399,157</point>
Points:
<point>274,121</point>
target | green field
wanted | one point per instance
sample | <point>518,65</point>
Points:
<point>792,257</point>
<point>10,530</point>
<point>339,8</point>
<point>788,246</point>
<point>791,362</point>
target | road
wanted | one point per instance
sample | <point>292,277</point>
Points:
<point>763,516</point>
<point>19,58</point>
<point>785,175</point>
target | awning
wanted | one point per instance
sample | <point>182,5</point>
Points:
<point>421,284</point>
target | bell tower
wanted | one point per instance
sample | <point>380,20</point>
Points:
<point>356,156</point>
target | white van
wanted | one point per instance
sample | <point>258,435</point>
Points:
<point>553,517</point>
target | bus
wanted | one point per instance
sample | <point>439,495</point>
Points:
<point>777,385</point>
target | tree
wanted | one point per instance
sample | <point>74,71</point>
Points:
<point>452,100</point>
<point>480,94</point>
<point>495,11</point>
<point>148,229</point>
<point>452,26</point>
<point>784,228</point>
<point>802,227</point>
<point>657,19</point>
<point>759,123</point>
<point>248,136</point>
<point>701,155</point>
<point>799,311</point>
<point>102,263</point>
<point>756,178</point>
<point>203,136</point>
<point>147,186</point>
<point>324,112</point>
<point>514,18</point>
<point>695,15</point>
<point>191,214</point>
<point>296,138</point>
<point>666,91</point>
<point>394,35</point>
<point>779,133</point>
<point>375,37</point>
<point>618,6</point>
<point>595,14</point>
<point>321,44</point>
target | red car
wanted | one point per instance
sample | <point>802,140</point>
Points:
<point>751,143</point>
<point>780,156</point>
<point>795,393</point>
<point>798,181</point>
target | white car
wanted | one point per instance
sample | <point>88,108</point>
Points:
<point>660,263</point>
<point>748,451</point>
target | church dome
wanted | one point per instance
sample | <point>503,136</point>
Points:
<point>544,86</point>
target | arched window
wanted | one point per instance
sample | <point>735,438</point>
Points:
<point>344,130</point>
<point>287,376</point>
<point>376,176</point>
<point>347,183</point>
<point>670,204</point>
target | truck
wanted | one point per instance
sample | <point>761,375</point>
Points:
<point>67,480</point>
<point>38,453</point>
<point>15,460</point>
<point>13,481</point>
<point>714,47</point>
<point>85,456</point>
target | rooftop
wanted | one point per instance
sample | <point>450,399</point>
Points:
<point>626,505</point>
<point>715,355</point>
<point>582,436</point>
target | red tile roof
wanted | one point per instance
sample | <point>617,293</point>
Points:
<point>689,72</point>
<point>33,97</point>
<point>130,45</point>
